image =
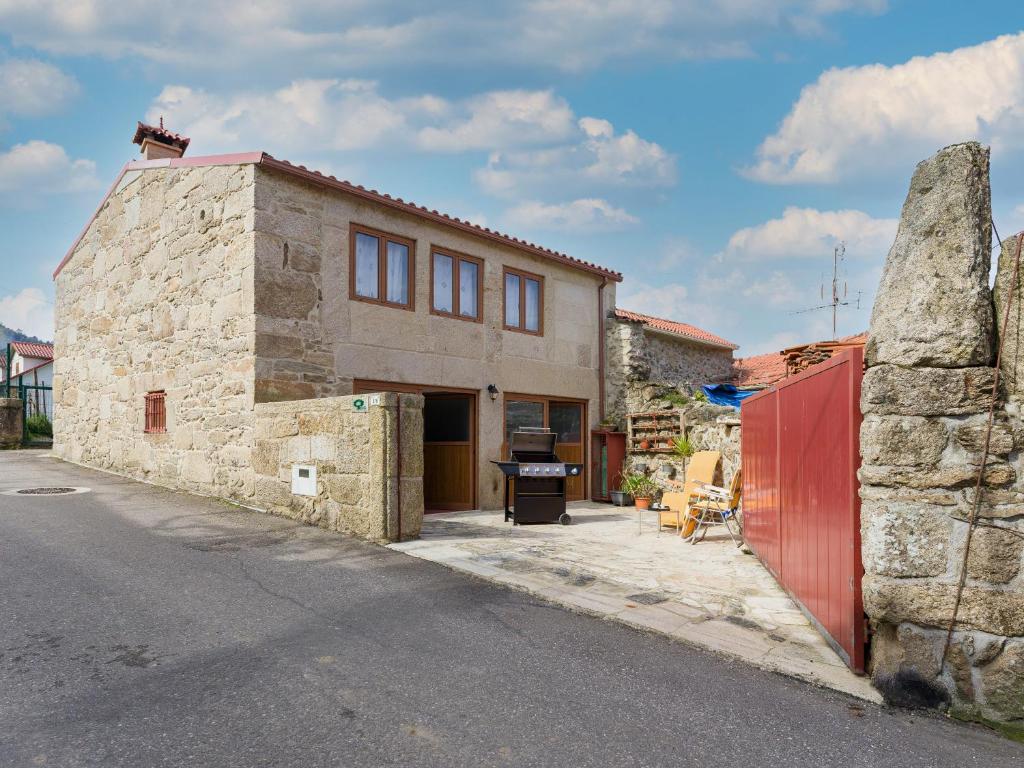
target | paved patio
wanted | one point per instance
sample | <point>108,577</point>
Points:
<point>613,564</point>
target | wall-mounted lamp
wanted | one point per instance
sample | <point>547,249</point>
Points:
<point>492,391</point>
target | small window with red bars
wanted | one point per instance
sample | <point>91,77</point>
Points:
<point>156,412</point>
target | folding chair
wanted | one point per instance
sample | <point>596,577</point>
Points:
<point>700,471</point>
<point>712,505</point>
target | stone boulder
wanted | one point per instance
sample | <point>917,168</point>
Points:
<point>1012,363</point>
<point>934,307</point>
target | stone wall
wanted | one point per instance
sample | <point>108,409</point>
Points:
<point>369,466</point>
<point>709,428</point>
<point>12,412</point>
<point>925,400</point>
<point>158,295</point>
<point>312,340</point>
<point>643,364</point>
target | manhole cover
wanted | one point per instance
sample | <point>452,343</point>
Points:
<point>62,490</point>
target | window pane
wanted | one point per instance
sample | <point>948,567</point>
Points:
<point>398,273</point>
<point>446,419</point>
<point>443,284</point>
<point>512,300</point>
<point>468,288</point>
<point>532,305</point>
<point>366,266</point>
<point>566,421</point>
<point>522,413</point>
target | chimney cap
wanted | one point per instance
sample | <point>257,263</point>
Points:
<point>160,135</point>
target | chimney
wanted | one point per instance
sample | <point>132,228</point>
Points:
<point>157,143</point>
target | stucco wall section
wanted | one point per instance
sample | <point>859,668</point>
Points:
<point>313,340</point>
<point>158,295</point>
<point>643,364</point>
<point>368,463</point>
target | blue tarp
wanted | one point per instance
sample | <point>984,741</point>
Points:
<point>726,394</point>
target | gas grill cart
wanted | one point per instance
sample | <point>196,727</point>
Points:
<point>540,478</point>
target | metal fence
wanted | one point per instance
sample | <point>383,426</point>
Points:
<point>801,509</point>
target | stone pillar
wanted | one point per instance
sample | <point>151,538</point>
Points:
<point>12,413</point>
<point>925,397</point>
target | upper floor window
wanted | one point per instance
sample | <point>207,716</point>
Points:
<point>524,302</point>
<point>456,285</point>
<point>156,411</point>
<point>381,268</point>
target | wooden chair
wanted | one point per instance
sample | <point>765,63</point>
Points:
<point>700,471</point>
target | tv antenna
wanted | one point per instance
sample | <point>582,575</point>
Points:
<point>838,299</point>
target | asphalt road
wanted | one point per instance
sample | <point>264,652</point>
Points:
<point>142,627</point>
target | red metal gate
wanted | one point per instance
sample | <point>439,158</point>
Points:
<point>801,509</point>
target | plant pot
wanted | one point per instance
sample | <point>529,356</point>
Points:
<point>645,445</point>
<point>642,503</point>
<point>621,499</point>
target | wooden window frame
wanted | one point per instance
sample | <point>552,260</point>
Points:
<point>156,412</point>
<point>382,264</point>
<point>456,258</point>
<point>521,328</point>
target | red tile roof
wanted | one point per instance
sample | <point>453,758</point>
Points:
<point>764,370</point>
<point>161,134</point>
<point>33,349</point>
<point>759,370</point>
<point>264,160</point>
<point>691,332</point>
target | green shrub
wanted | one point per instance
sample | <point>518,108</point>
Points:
<point>682,447</point>
<point>700,396</point>
<point>674,398</point>
<point>39,425</point>
<point>639,486</point>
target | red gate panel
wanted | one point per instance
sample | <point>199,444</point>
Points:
<point>801,509</point>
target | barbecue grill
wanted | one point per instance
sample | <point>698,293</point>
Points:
<point>540,478</point>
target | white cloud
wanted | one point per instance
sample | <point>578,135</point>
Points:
<point>810,233</point>
<point>39,167</point>
<point>596,158</point>
<point>584,215</point>
<point>314,35</point>
<point>28,311</point>
<point>33,88</point>
<point>501,119</point>
<point>867,118</point>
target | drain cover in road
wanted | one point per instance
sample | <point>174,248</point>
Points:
<point>46,491</point>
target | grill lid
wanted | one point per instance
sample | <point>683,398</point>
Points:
<point>532,440</point>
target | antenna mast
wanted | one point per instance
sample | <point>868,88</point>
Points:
<point>837,299</point>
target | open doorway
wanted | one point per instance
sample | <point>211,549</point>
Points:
<point>449,443</point>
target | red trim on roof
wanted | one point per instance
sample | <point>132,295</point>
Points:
<point>33,349</point>
<point>691,332</point>
<point>397,203</point>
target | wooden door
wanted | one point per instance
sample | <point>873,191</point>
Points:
<point>563,417</point>
<point>566,420</point>
<point>449,451</point>
<point>449,442</point>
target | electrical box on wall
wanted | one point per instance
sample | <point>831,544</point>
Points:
<point>303,479</point>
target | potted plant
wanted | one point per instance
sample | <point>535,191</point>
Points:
<point>682,447</point>
<point>645,444</point>
<point>621,497</point>
<point>642,488</point>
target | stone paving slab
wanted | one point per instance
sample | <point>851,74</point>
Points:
<point>613,564</point>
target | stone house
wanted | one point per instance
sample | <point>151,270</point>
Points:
<point>651,356</point>
<point>206,288</point>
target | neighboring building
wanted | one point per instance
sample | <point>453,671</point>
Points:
<point>205,286</point>
<point>762,371</point>
<point>650,356</point>
<point>31,365</point>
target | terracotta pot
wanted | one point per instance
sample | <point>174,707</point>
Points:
<point>642,503</point>
<point>645,444</point>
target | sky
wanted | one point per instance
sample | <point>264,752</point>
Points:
<point>714,152</point>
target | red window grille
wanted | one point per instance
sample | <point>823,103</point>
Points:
<point>156,412</point>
